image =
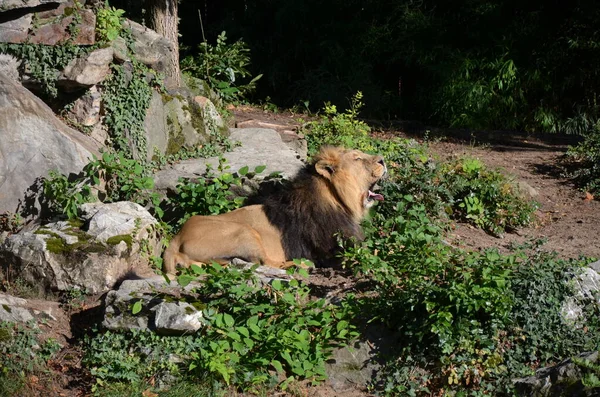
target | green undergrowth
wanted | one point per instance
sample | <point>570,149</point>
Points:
<point>253,336</point>
<point>22,355</point>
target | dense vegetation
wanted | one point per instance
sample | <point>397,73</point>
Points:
<point>462,323</point>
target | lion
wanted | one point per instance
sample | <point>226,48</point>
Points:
<point>330,195</point>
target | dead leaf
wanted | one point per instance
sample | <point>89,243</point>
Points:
<point>588,196</point>
<point>149,393</point>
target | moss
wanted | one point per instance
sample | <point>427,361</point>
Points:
<point>46,232</point>
<point>197,119</point>
<point>5,335</point>
<point>114,240</point>
<point>75,223</point>
<point>198,305</point>
<point>57,245</point>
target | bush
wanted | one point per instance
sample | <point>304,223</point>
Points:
<point>252,334</point>
<point>224,66</point>
<point>585,158</point>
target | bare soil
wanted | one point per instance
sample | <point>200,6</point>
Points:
<point>567,219</point>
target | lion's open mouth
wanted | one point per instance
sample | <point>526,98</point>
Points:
<point>374,196</point>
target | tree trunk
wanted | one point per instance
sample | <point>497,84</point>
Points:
<point>163,19</point>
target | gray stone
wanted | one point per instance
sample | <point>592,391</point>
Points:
<point>9,66</point>
<point>117,219</point>
<point>54,26</point>
<point>177,318</point>
<point>34,141</point>
<point>62,257</point>
<point>6,5</point>
<point>586,286</point>
<point>18,310</point>
<point>213,123</point>
<point>120,50</point>
<point>149,47</point>
<point>257,147</point>
<point>16,30</point>
<point>563,379</point>
<point>87,71</point>
<point>155,125</point>
<point>528,190</point>
<point>86,109</point>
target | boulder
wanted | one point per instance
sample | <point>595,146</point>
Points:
<point>23,311</point>
<point>115,242</point>
<point>176,121</point>
<point>86,109</point>
<point>15,30</point>
<point>6,5</point>
<point>9,66</point>
<point>258,146</point>
<point>166,307</point>
<point>586,286</point>
<point>563,379</point>
<point>87,71</point>
<point>55,26</point>
<point>34,141</point>
<point>149,47</point>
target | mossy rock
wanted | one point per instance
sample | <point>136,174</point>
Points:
<point>114,240</point>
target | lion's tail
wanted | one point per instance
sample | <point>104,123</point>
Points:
<point>170,256</point>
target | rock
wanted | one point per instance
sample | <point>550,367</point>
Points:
<point>198,87</point>
<point>6,5</point>
<point>86,109</point>
<point>18,310</point>
<point>15,30</point>
<point>9,66</point>
<point>54,26</point>
<point>563,379</point>
<point>528,190</point>
<point>165,307</point>
<point>257,147</point>
<point>100,134</point>
<point>117,219</point>
<point>586,286</point>
<point>120,50</point>
<point>155,125</point>
<point>156,314</point>
<point>34,141</point>
<point>149,47</point>
<point>87,71</point>
<point>116,244</point>
<point>175,122</point>
<point>213,123</point>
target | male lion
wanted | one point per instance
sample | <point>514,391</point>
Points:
<point>331,195</point>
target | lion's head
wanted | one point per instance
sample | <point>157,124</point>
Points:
<point>351,175</point>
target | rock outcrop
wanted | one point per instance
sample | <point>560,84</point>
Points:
<point>115,242</point>
<point>34,141</point>
<point>257,147</point>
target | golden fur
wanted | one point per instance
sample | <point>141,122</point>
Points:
<point>331,195</point>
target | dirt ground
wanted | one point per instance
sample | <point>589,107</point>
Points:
<point>566,218</point>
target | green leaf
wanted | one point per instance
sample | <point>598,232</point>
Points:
<point>137,307</point>
<point>243,171</point>
<point>260,169</point>
<point>185,279</point>
<point>229,321</point>
<point>277,365</point>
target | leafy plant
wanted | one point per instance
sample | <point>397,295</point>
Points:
<point>251,332</point>
<point>109,23</point>
<point>44,62</point>
<point>224,66</point>
<point>210,195</point>
<point>584,159</point>
<point>22,355</point>
<point>64,196</point>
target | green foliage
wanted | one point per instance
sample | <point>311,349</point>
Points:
<point>253,329</point>
<point>126,98</point>
<point>465,190</point>
<point>250,330</point>
<point>585,159</point>
<point>343,129</point>
<point>224,66</point>
<point>21,355</point>
<point>210,195</point>
<point>109,23</point>
<point>64,196</point>
<point>44,62</point>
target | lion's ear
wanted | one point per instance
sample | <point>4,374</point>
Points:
<point>324,168</point>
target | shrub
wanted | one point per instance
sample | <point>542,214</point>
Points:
<point>585,158</point>
<point>224,66</point>
<point>251,333</point>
